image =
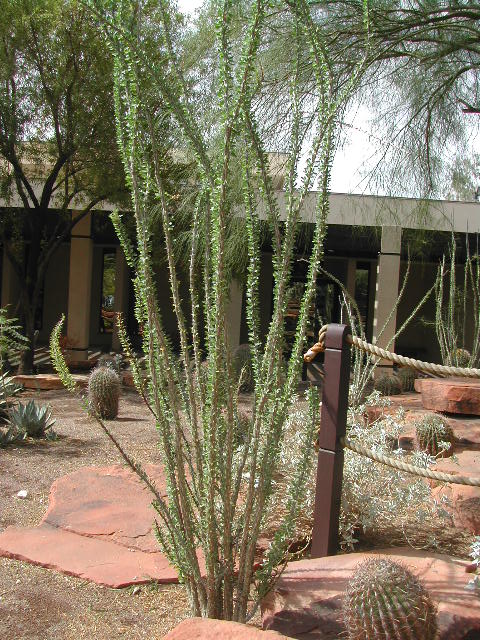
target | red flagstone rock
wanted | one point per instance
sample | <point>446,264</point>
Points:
<point>306,602</point>
<point>98,526</point>
<point>463,501</point>
<point>451,395</point>
<point>204,629</point>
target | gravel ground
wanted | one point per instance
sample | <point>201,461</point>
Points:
<point>40,604</point>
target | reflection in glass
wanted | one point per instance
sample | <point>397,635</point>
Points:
<point>108,291</point>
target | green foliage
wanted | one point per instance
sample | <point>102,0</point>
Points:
<point>434,435</point>
<point>12,340</point>
<point>104,392</point>
<point>388,385</point>
<point>385,601</point>
<point>218,506</point>
<point>457,312</point>
<point>243,367</point>
<point>407,377</point>
<point>31,420</point>
<point>8,389</point>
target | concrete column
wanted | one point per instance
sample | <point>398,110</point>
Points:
<point>10,285</point>
<point>233,314</point>
<point>388,277</point>
<point>80,289</point>
<point>120,303</point>
<point>351,273</point>
<point>372,283</point>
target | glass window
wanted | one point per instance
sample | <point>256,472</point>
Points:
<point>107,291</point>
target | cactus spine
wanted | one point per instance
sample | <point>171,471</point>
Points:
<point>432,430</point>
<point>104,392</point>
<point>385,601</point>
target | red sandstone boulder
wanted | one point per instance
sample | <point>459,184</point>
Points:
<point>450,395</point>
<point>463,502</point>
<point>203,629</point>
<point>307,600</point>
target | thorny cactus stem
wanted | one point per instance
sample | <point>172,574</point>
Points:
<point>385,601</point>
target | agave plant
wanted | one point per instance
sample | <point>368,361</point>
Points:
<point>32,420</point>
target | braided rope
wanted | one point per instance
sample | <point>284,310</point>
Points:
<point>419,365</point>
<point>409,468</point>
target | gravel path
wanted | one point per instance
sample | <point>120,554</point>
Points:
<point>39,604</point>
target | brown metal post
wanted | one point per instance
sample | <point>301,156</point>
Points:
<point>333,423</point>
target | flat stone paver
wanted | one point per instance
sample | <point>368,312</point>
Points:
<point>306,602</point>
<point>98,526</point>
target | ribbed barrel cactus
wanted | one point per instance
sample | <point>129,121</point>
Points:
<point>104,392</point>
<point>388,385</point>
<point>430,432</point>
<point>385,601</point>
<point>407,377</point>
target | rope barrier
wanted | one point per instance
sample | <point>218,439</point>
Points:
<point>419,365</point>
<point>409,468</point>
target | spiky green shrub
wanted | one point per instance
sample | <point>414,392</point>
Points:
<point>388,385</point>
<point>12,342</point>
<point>218,506</point>
<point>31,420</point>
<point>433,434</point>
<point>457,312</point>
<point>243,366</point>
<point>407,377</point>
<point>104,393</point>
<point>8,389</point>
<point>385,601</point>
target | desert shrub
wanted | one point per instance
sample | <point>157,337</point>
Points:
<point>376,499</point>
<point>385,601</point>
<point>219,505</point>
<point>8,389</point>
<point>104,392</point>
<point>457,307</point>
<point>407,377</point>
<point>11,339</point>
<point>434,435</point>
<point>388,385</point>
<point>31,420</point>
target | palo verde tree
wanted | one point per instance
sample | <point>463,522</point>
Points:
<point>422,88</point>
<point>56,146</point>
<point>219,464</point>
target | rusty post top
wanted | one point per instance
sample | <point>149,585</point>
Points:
<point>335,338</point>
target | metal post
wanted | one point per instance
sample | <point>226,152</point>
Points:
<point>328,491</point>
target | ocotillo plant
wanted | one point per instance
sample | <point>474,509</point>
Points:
<point>219,485</point>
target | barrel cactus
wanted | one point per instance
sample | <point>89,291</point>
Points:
<point>430,432</point>
<point>388,385</point>
<point>407,377</point>
<point>385,601</point>
<point>104,392</point>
